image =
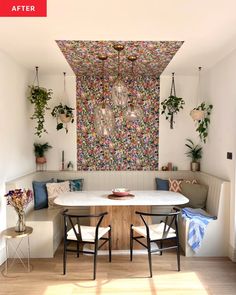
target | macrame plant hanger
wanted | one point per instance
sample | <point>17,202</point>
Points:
<point>172,93</point>
<point>36,78</point>
<point>64,97</point>
<point>197,114</point>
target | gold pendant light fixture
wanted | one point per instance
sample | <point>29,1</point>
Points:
<point>103,116</point>
<point>119,90</point>
<point>134,111</point>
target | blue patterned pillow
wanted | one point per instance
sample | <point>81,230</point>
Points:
<point>40,194</point>
<point>162,184</point>
<point>75,184</point>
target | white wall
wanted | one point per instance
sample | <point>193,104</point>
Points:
<point>172,141</point>
<point>16,154</point>
<point>219,87</point>
<point>59,140</point>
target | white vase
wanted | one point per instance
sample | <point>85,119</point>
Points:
<point>64,118</point>
<point>195,166</point>
<point>197,115</point>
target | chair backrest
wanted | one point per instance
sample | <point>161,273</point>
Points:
<point>170,220</point>
<point>73,219</point>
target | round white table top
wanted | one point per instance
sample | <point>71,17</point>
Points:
<point>100,198</point>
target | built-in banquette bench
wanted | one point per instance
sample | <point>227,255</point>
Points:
<point>47,223</point>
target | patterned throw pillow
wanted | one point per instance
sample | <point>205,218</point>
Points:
<point>193,181</point>
<point>54,189</point>
<point>175,185</point>
<point>75,184</point>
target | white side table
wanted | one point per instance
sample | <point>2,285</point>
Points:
<point>10,234</point>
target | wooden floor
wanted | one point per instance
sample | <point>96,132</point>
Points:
<point>197,276</point>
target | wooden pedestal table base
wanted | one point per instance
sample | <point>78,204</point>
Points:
<point>120,218</point>
<point>121,213</point>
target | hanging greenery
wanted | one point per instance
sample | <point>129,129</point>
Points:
<point>172,105</point>
<point>39,97</point>
<point>203,124</point>
<point>64,114</point>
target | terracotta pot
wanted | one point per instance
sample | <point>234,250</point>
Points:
<point>195,166</point>
<point>197,115</point>
<point>64,118</point>
<point>41,160</point>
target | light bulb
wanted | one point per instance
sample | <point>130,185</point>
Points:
<point>119,93</point>
<point>134,113</point>
<point>104,120</point>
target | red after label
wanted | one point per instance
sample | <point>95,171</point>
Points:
<point>23,8</point>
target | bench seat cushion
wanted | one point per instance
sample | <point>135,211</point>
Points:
<point>43,215</point>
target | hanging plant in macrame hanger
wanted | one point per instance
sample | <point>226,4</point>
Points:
<point>172,105</point>
<point>39,97</point>
<point>63,113</point>
<point>201,113</point>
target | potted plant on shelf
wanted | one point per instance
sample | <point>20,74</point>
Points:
<point>195,153</point>
<point>64,114</point>
<point>39,151</point>
<point>203,120</point>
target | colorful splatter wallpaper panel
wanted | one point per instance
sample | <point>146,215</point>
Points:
<point>134,145</point>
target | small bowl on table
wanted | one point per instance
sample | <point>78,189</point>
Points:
<point>121,192</point>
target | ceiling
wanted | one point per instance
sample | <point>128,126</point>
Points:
<point>152,57</point>
<point>208,29</point>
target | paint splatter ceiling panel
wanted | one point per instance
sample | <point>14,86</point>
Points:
<point>153,57</point>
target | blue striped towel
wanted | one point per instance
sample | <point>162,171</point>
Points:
<point>199,220</point>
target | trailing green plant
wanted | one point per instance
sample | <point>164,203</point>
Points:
<point>64,115</point>
<point>39,97</point>
<point>194,150</point>
<point>203,124</point>
<point>40,149</point>
<point>170,106</point>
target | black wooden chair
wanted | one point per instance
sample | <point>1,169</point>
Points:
<point>161,233</point>
<point>81,234</point>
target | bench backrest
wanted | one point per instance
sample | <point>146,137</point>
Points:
<point>134,180</point>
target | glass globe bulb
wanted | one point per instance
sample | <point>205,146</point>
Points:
<point>104,120</point>
<point>134,113</point>
<point>119,93</point>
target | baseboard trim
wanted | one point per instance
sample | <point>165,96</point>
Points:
<point>232,253</point>
<point>124,252</point>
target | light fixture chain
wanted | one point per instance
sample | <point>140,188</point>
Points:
<point>132,93</point>
<point>64,73</point>
<point>118,64</point>
<point>103,78</point>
